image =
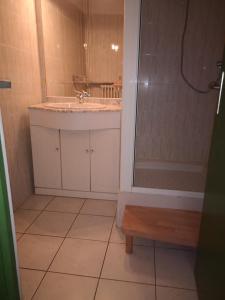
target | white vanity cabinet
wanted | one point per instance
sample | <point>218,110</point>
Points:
<point>90,160</point>
<point>76,154</point>
<point>75,157</point>
<point>105,160</point>
<point>82,160</point>
<point>46,157</point>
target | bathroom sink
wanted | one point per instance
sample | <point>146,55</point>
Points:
<point>75,116</point>
<point>75,106</point>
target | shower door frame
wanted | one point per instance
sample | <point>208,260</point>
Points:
<point>150,196</point>
<point>10,277</point>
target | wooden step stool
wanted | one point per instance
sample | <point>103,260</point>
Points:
<point>161,224</point>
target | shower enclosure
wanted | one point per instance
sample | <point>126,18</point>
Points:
<point>174,122</point>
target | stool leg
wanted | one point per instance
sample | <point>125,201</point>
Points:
<point>129,244</point>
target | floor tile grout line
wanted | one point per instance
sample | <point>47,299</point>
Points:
<point>176,287</point>
<point>53,211</point>
<point>108,243</point>
<point>38,215</point>
<point>79,238</point>
<point>43,210</point>
<point>86,214</point>
<point>78,213</point>
<point>97,215</point>
<point>17,240</point>
<point>175,249</point>
<point>104,258</point>
<point>46,271</point>
<point>56,252</point>
<point>65,236</point>
<point>63,273</point>
<point>127,281</point>
<point>63,239</point>
<point>50,200</point>
<point>68,212</point>
<point>111,279</point>
<point>21,205</point>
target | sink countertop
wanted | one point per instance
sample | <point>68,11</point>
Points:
<point>106,108</point>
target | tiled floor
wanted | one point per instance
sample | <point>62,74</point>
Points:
<point>71,249</point>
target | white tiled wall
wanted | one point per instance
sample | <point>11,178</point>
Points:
<point>18,63</point>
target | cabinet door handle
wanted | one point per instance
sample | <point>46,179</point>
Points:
<point>57,148</point>
<point>87,150</point>
<point>92,150</point>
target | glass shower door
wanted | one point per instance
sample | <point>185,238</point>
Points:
<point>174,123</point>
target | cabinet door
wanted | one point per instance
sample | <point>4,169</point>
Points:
<point>75,160</point>
<point>46,157</point>
<point>105,160</point>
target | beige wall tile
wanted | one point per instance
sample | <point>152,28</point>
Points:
<point>63,45</point>
<point>174,123</point>
<point>19,63</point>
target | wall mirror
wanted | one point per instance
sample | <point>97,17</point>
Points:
<point>81,47</point>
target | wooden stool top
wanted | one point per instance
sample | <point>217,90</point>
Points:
<point>162,224</point>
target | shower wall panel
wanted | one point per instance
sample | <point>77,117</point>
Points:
<point>174,123</point>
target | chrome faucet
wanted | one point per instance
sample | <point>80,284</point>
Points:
<point>82,94</point>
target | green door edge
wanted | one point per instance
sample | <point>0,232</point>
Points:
<point>210,263</point>
<point>9,286</point>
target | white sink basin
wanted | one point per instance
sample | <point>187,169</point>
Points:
<point>75,106</point>
<point>74,116</point>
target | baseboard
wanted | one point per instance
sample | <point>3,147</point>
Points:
<point>78,194</point>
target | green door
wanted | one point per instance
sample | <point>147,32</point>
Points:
<point>210,265</point>
<point>9,289</point>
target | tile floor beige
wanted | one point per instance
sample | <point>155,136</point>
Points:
<point>91,227</point>
<point>37,202</point>
<point>66,287</point>
<point>117,236</point>
<point>99,207</point>
<point>37,252</point>
<point>30,280</point>
<point>138,267</point>
<point>170,266</point>
<point>164,293</point>
<point>65,204</point>
<point>52,223</point>
<point>18,236</point>
<point>24,218</point>
<point>80,257</point>
<point>118,290</point>
<point>93,248</point>
<point>159,244</point>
